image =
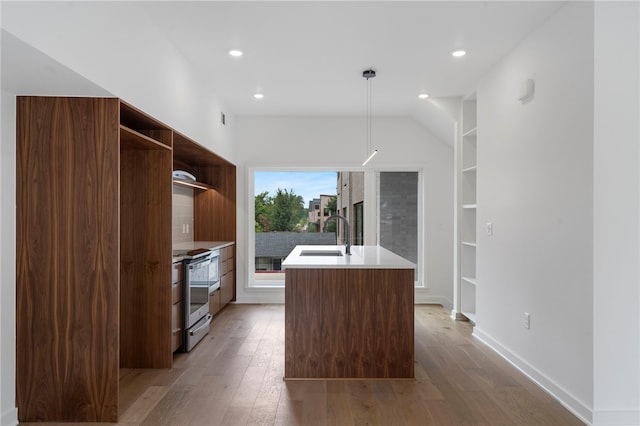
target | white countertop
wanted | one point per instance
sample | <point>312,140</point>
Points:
<point>192,245</point>
<point>179,248</point>
<point>362,257</point>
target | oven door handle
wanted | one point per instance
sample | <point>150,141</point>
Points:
<point>199,264</point>
<point>206,324</point>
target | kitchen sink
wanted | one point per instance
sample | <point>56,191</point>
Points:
<point>321,253</point>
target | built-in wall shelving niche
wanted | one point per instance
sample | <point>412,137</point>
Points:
<point>468,178</point>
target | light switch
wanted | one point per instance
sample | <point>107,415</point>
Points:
<point>489,228</point>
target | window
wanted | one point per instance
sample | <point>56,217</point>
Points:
<point>287,213</point>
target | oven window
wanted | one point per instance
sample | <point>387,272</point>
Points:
<point>199,298</point>
<point>198,282</point>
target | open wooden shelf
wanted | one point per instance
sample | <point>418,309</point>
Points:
<point>131,139</point>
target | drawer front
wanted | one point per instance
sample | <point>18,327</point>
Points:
<point>226,288</point>
<point>176,326</point>
<point>176,340</point>
<point>177,292</point>
<point>176,272</point>
<point>215,302</point>
<point>226,265</point>
<point>227,253</point>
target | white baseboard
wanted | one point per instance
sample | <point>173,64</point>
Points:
<point>457,316</point>
<point>9,417</point>
<point>572,404</point>
<point>423,298</point>
<point>261,296</point>
<point>616,418</point>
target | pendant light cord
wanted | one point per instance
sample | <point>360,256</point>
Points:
<point>369,100</point>
<point>369,74</point>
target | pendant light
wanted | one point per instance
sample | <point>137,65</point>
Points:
<point>368,75</point>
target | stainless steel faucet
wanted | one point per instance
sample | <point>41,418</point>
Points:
<point>347,242</point>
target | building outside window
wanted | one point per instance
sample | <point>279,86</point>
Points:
<point>351,195</point>
<point>318,212</point>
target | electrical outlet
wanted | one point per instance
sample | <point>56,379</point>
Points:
<point>527,320</point>
<point>489,228</point>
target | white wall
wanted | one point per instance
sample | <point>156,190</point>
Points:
<point>127,56</point>
<point>70,48</point>
<point>616,263</point>
<point>8,412</point>
<point>535,184</point>
<point>330,142</point>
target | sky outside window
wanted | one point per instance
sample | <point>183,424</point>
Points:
<point>309,185</point>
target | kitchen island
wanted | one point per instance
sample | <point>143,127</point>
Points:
<point>348,316</point>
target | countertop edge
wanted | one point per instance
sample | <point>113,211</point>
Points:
<point>362,257</point>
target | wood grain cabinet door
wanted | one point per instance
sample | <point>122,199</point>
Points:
<point>67,319</point>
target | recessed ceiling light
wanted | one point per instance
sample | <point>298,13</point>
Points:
<point>423,95</point>
<point>458,53</point>
<point>258,95</point>
<point>235,53</point>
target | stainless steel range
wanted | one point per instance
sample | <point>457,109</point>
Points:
<point>201,276</point>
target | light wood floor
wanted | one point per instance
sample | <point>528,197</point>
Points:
<point>234,377</point>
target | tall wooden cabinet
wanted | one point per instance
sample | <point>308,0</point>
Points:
<point>68,266</point>
<point>94,269</point>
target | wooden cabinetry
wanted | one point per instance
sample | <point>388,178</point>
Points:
<point>67,325</point>
<point>215,303</point>
<point>227,275</point>
<point>226,293</point>
<point>177,312</point>
<point>467,177</point>
<point>93,218</point>
<point>349,323</point>
<point>214,210</point>
<point>145,240</point>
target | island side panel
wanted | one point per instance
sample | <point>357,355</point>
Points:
<point>381,323</point>
<point>349,323</point>
<point>315,324</point>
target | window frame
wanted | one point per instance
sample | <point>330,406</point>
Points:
<point>371,208</point>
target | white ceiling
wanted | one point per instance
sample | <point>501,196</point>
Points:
<point>308,57</point>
